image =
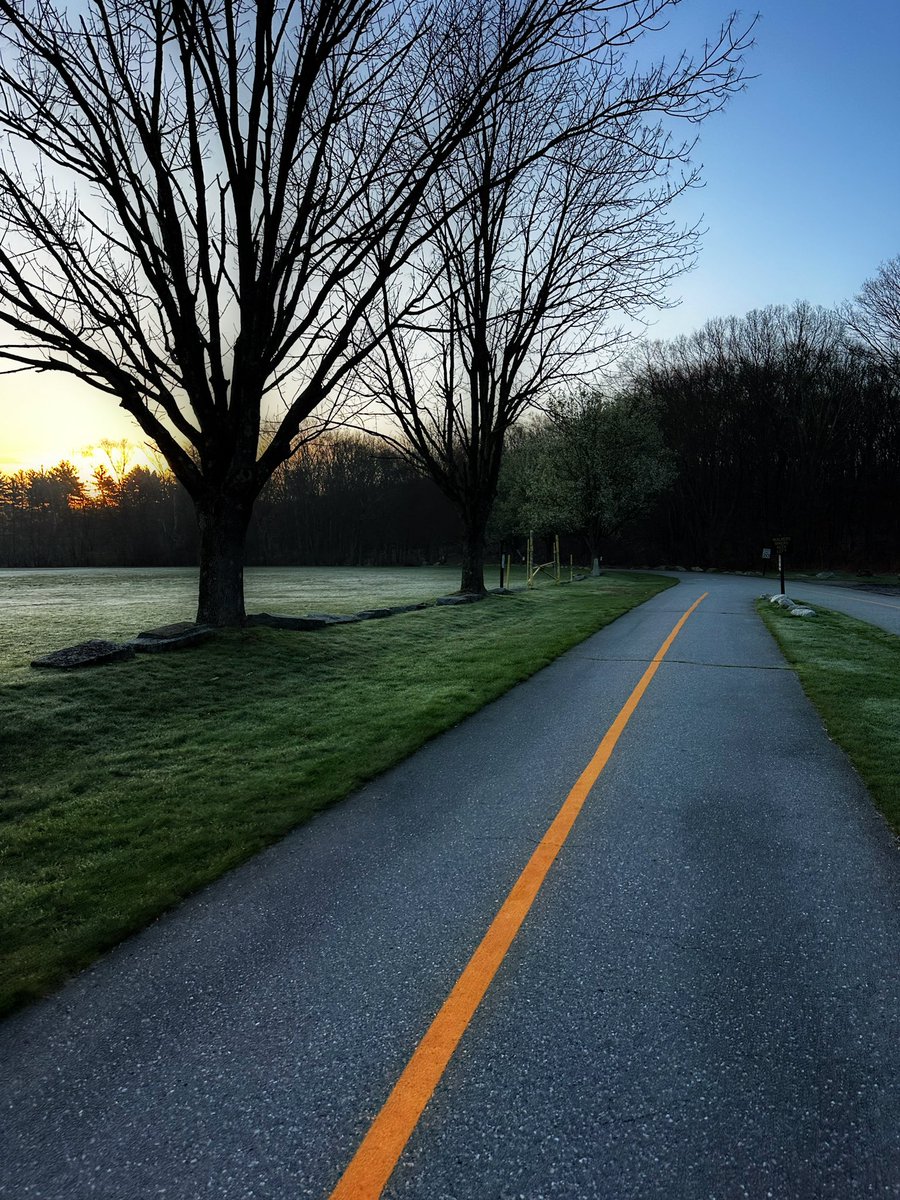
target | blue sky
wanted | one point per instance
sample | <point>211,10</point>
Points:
<point>801,197</point>
<point>802,169</point>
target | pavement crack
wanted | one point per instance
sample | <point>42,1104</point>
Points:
<point>691,662</point>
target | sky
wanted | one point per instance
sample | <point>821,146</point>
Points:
<point>801,198</point>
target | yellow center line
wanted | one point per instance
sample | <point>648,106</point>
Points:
<point>379,1152</point>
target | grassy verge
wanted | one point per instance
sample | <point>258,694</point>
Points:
<point>851,672</point>
<point>124,788</point>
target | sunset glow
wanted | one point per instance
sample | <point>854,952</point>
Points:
<point>46,418</point>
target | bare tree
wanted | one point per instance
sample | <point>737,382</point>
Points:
<point>202,198</point>
<point>875,317</point>
<point>549,219</point>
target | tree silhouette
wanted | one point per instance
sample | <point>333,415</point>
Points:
<point>202,198</point>
<point>549,226</point>
<point>875,317</point>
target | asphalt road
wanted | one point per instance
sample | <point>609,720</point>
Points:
<point>704,1000</point>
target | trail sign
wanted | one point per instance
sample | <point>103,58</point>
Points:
<point>767,552</point>
<point>781,544</point>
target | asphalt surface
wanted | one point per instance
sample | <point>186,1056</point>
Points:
<point>703,1002</point>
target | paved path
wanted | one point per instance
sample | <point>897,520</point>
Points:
<point>704,1000</point>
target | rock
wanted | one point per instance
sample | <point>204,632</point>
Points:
<point>94,653</point>
<point>313,621</point>
<point>374,614</point>
<point>595,567</point>
<point>460,598</point>
<point>284,621</point>
<point>825,575</point>
<point>793,609</point>
<point>171,637</point>
<point>176,629</point>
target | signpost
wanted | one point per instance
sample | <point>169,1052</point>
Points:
<point>781,544</point>
<point>766,555</point>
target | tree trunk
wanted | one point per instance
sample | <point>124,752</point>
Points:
<point>223,533</point>
<point>592,540</point>
<point>472,580</point>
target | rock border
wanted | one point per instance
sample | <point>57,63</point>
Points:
<point>793,609</point>
<point>98,652</point>
<point>183,634</point>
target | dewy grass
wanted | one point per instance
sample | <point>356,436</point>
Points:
<point>42,610</point>
<point>124,788</point>
<point>851,672</point>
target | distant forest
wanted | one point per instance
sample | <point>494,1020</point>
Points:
<point>778,423</point>
<point>343,500</point>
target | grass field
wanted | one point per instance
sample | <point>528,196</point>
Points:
<point>124,788</point>
<point>42,610</point>
<point>851,672</point>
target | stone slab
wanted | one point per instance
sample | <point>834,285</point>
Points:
<point>152,643</point>
<point>176,629</point>
<point>284,621</point>
<point>93,653</point>
<point>462,598</point>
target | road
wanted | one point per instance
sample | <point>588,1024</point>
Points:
<point>703,998</point>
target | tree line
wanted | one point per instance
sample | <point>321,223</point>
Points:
<point>342,500</point>
<point>700,450</point>
<point>781,423</point>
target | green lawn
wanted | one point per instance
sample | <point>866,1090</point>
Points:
<point>43,610</point>
<point>124,788</point>
<point>851,672</point>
